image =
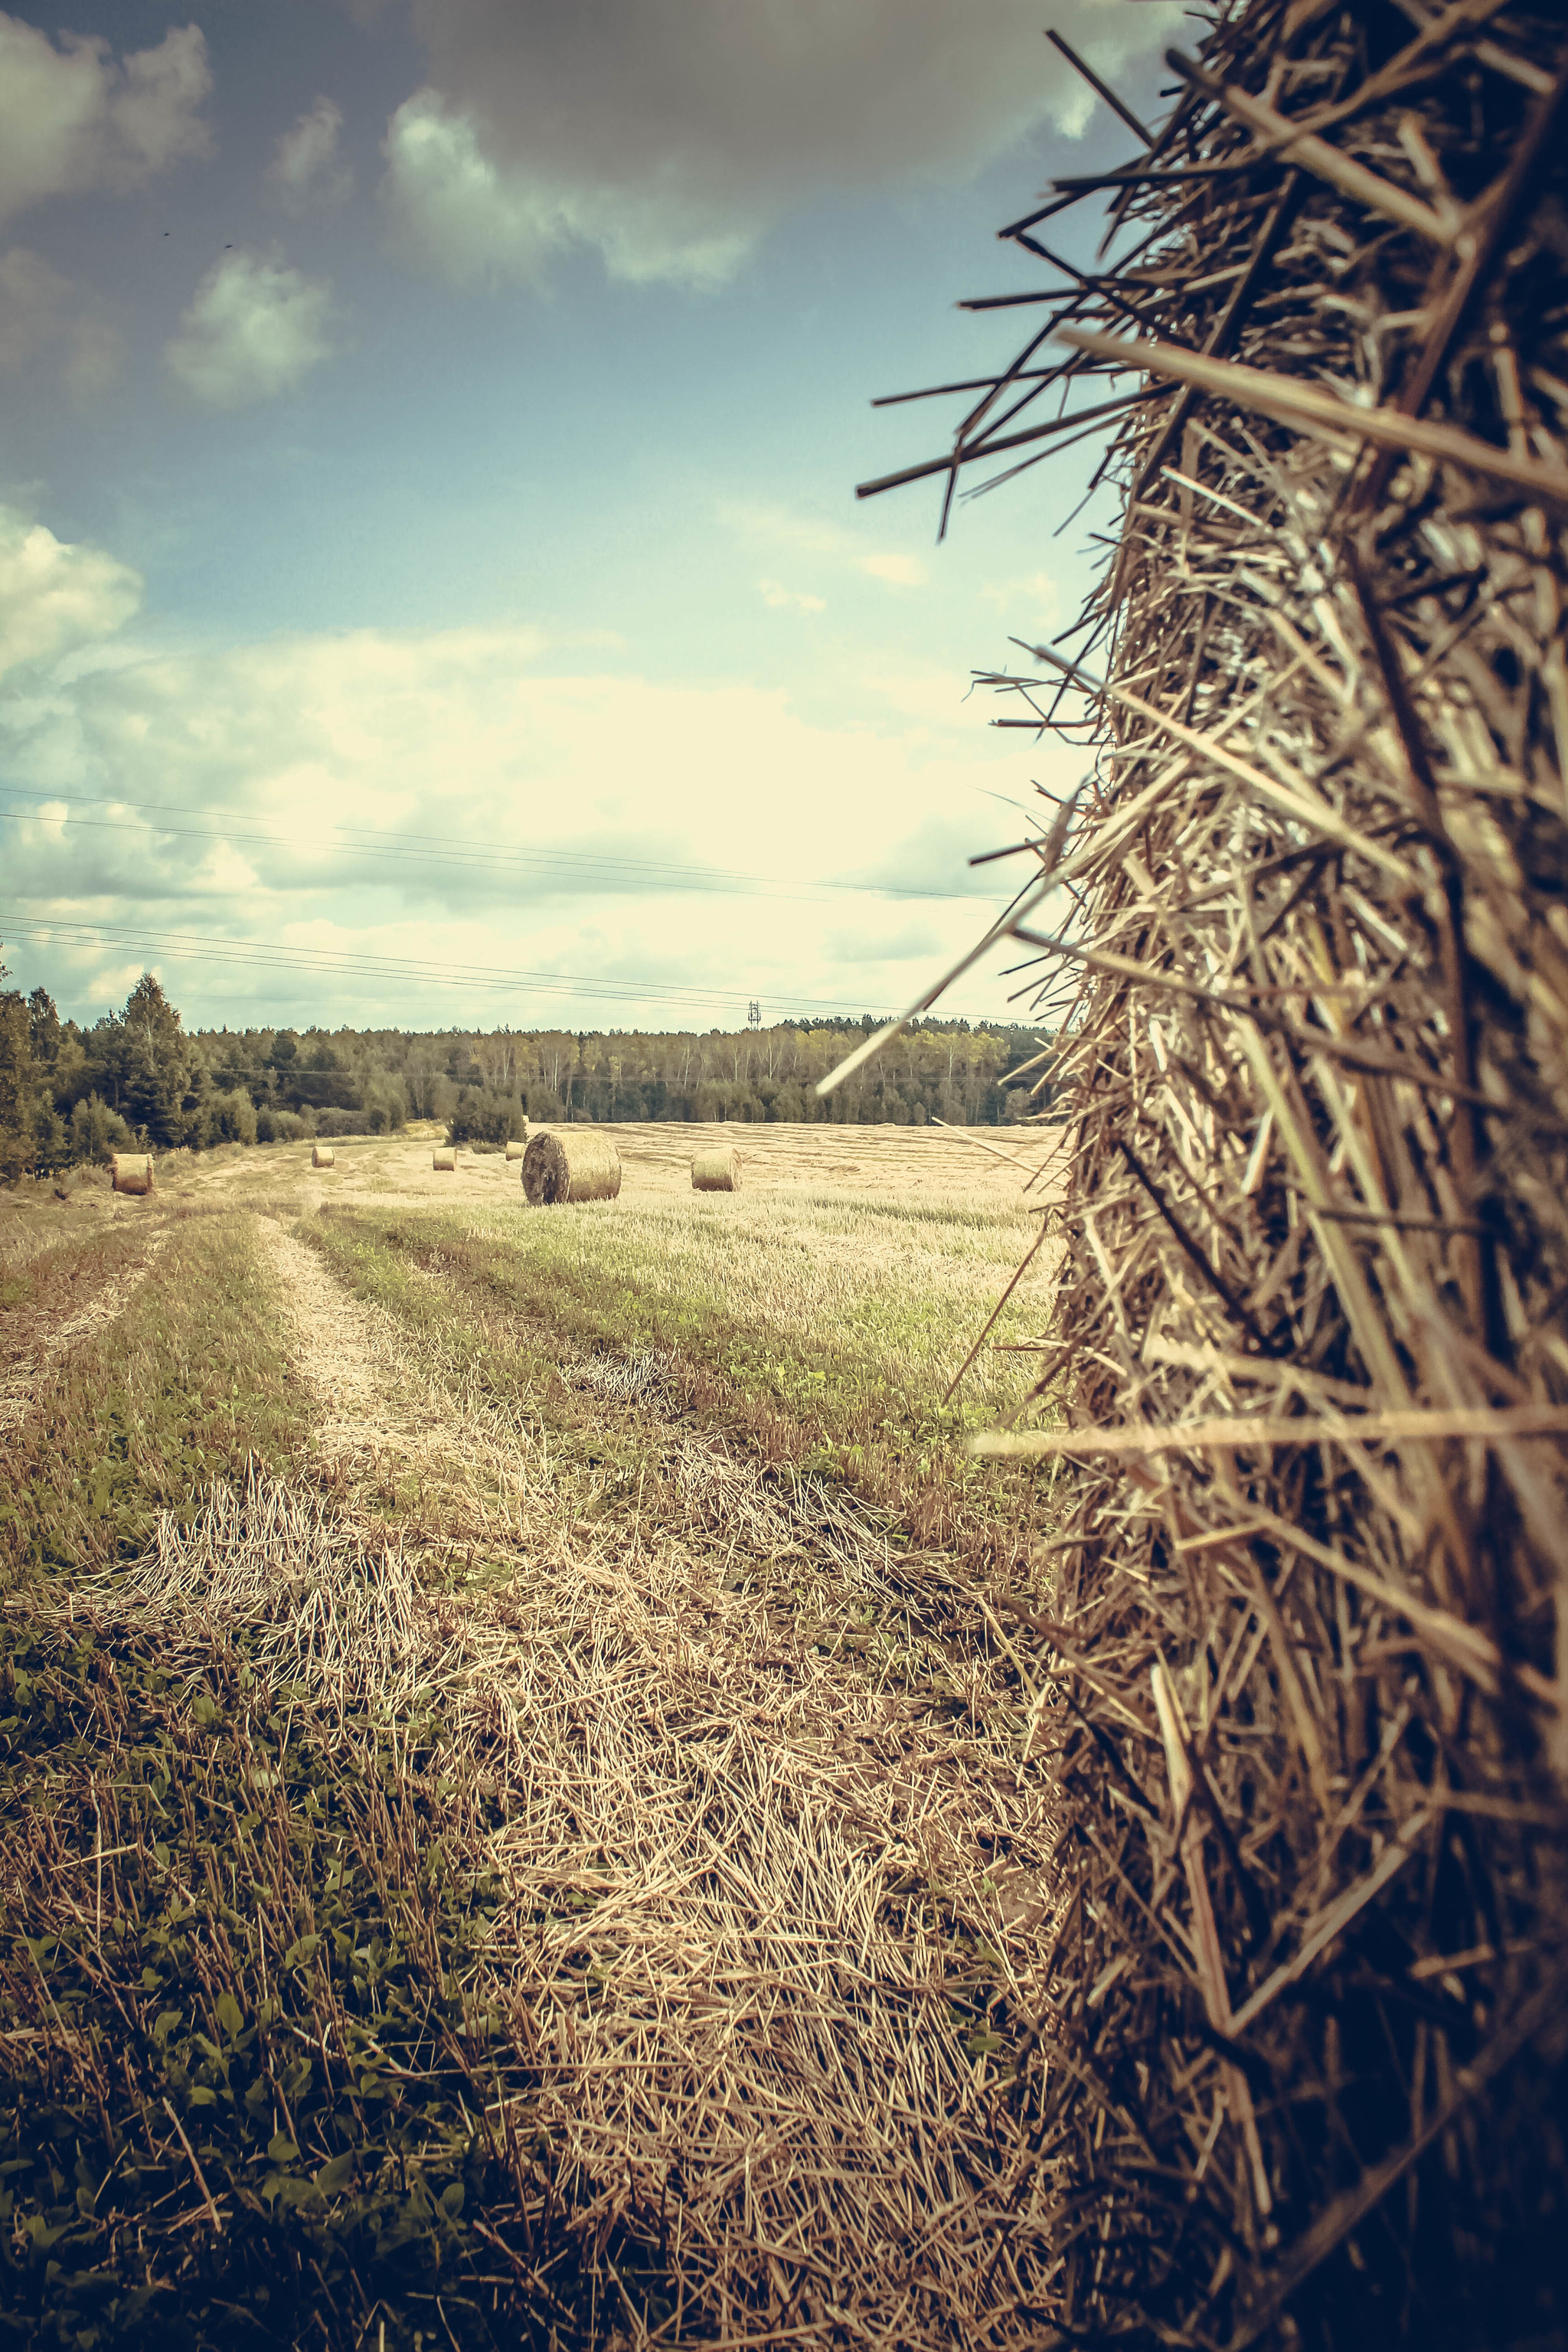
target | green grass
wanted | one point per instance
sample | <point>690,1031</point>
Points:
<point>46,1258</point>
<point>275,1962</point>
<point>819,1329</point>
<point>278,1971</point>
<point>183,1387</point>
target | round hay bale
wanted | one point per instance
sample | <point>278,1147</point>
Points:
<point>131,1172</point>
<point>516,1145</point>
<point>579,1165</point>
<point>717,1169</point>
<point>322,1155</point>
<point>446,1160</point>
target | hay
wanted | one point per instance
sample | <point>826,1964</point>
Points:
<point>131,1172</point>
<point>716,1170</point>
<point>722,2011</point>
<point>446,1161</point>
<point>777,2085</point>
<point>1303,1688</point>
<point>516,1145</point>
<point>324,1609</point>
<point>579,1164</point>
<point>322,1155</point>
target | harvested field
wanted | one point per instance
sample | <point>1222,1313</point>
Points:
<point>488,1600</point>
<point>956,1167</point>
<point>724,1769</point>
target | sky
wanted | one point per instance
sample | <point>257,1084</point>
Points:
<point>432,586</point>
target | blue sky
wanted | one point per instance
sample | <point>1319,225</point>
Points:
<point>431,584</point>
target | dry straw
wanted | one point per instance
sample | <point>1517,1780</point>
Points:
<point>577,1165</point>
<point>131,1172</point>
<point>322,1155</point>
<point>724,2035</point>
<point>445,1160</point>
<point>716,1170</point>
<point>516,1145</point>
<point>324,1610</point>
<point>1298,1644</point>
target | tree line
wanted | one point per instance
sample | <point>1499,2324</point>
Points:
<point>138,1076</point>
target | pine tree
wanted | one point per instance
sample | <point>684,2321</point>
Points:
<point>155,1065</point>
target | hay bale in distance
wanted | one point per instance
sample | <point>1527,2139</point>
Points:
<point>322,1155</point>
<point>516,1145</point>
<point>717,1169</point>
<point>446,1160</point>
<point>131,1172</point>
<point>578,1165</point>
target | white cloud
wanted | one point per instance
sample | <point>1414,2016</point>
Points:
<point>54,597</point>
<point>305,166</point>
<point>470,222</point>
<point>788,600</point>
<point>1031,605</point>
<point>898,571</point>
<point>254,329</point>
<point>40,317</point>
<point>763,524</point>
<point>671,135</point>
<point>784,531</point>
<point>469,739</point>
<point>72,120</point>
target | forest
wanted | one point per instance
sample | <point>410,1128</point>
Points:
<point>70,1094</point>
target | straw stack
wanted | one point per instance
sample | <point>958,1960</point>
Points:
<point>716,1170</point>
<point>445,1160</point>
<point>322,1155</point>
<point>516,1145</point>
<point>1297,1657</point>
<point>578,1165</point>
<point>131,1172</point>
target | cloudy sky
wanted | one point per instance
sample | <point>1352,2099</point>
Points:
<point>432,589</point>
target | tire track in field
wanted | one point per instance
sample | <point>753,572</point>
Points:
<point>662,1571</point>
<point>664,1568</point>
<point>377,1409</point>
<point>45,1343</point>
<point>379,1405</point>
<point>484,1476</point>
<point>339,1344</point>
<point>744,1887</point>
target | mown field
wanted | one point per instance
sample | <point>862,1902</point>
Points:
<point>515,1813</point>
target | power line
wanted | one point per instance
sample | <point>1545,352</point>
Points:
<point>275,956</point>
<point>440,849</point>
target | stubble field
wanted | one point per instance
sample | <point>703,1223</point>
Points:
<point>515,1811</point>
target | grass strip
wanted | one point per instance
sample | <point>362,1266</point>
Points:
<point>850,1400</point>
<point>188,1383</point>
<point>249,2082</point>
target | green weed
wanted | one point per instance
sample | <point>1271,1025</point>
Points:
<point>186,1384</point>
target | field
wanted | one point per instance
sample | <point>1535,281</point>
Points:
<point>516,1809</point>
